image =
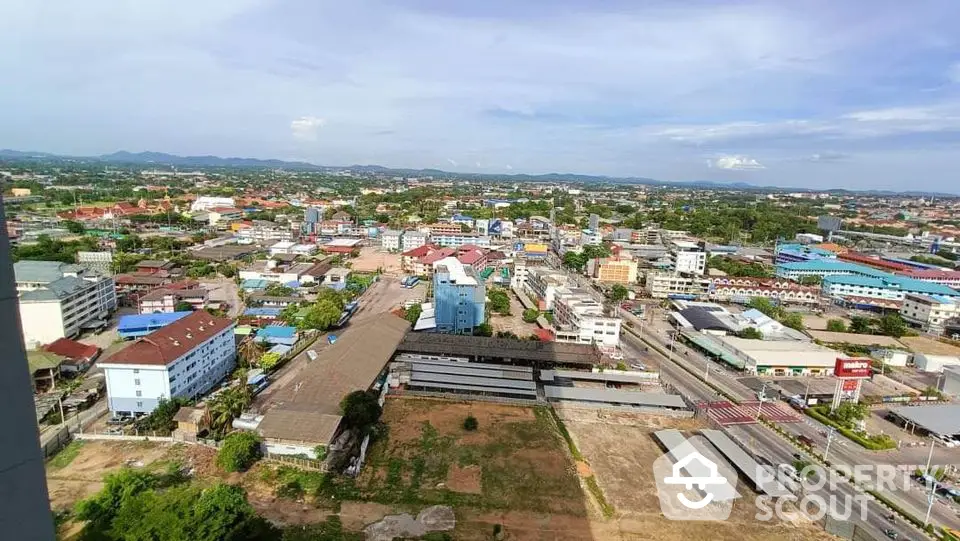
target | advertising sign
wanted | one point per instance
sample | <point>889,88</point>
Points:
<point>852,368</point>
<point>849,385</point>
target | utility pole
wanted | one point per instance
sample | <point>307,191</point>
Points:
<point>930,456</point>
<point>932,497</point>
<point>830,434</point>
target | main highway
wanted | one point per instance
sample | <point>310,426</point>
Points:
<point>759,439</point>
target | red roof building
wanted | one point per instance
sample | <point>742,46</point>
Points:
<point>73,350</point>
<point>169,343</point>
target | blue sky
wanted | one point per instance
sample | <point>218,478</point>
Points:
<point>855,94</point>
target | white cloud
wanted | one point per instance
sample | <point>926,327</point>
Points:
<point>953,72</point>
<point>305,128</point>
<point>892,114</point>
<point>452,162</point>
<point>737,162</point>
<point>508,167</point>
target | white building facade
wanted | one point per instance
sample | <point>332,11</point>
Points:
<point>413,239</point>
<point>578,318</point>
<point>59,300</point>
<point>184,359</point>
<point>206,202</point>
<point>929,312</point>
<point>391,240</point>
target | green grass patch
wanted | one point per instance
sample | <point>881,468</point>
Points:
<point>876,442</point>
<point>521,465</point>
<point>566,435</point>
<point>594,489</point>
<point>66,455</point>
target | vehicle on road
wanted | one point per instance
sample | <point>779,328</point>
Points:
<point>312,355</point>
<point>805,440</point>
<point>331,339</point>
<point>892,534</point>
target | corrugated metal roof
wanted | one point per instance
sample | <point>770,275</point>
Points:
<point>470,380</point>
<point>473,388</point>
<point>944,419</point>
<point>457,369</point>
<point>680,447</point>
<point>482,366</point>
<point>644,377</point>
<point>613,396</point>
<point>744,462</point>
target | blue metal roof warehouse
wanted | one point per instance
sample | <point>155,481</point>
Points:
<point>137,325</point>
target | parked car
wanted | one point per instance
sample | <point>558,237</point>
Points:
<point>805,440</point>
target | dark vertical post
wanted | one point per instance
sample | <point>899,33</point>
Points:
<point>25,512</point>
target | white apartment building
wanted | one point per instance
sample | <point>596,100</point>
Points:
<point>458,240</point>
<point>542,286</point>
<point>59,300</point>
<point>185,359</point>
<point>413,239</point>
<point>929,312</point>
<point>578,318</point>
<point>165,301</point>
<point>206,202</point>
<point>264,233</point>
<point>688,257</point>
<point>391,240</point>
<point>663,285</point>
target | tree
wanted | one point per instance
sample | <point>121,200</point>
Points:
<point>74,227</point>
<point>618,293</point>
<point>360,409</point>
<point>530,315</point>
<point>793,320</point>
<point>483,329</point>
<point>161,418</point>
<point>751,333</point>
<point>119,488</point>
<point>892,325</point>
<point>574,260</point>
<point>836,325</point>
<point>470,423</point>
<point>860,325</point>
<point>278,290</point>
<point>183,306</point>
<point>765,306</point>
<point>413,313</point>
<point>499,302</point>
<point>227,406</point>
<point>595,251</point>
<point>335,297</point>
<point>811,280</point>
<point>848,413</point>
<point>227,270</point>
<point>322,315</point>
<point>239,451</point>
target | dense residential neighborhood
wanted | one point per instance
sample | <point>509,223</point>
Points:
<point>306,310</point>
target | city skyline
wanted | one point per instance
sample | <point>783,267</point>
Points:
<point>816,96</point>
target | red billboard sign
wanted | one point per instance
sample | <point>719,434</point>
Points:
<point>852,368</point>
<point>850,385</point>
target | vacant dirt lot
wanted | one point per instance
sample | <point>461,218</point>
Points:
<point>371,259</point>
<point>515,460</point>
<point>621,455</point>
<point>83,476</point>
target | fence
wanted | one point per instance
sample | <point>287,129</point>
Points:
<point>466,397</point>
<point>300,462</point>
<point>55,441</point>
<point>120,437</point>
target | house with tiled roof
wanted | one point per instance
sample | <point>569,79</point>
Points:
<point>186,358</point>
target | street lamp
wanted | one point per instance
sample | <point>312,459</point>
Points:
<point>830,434</point>
<point>761,395</point>
<point>932,497</point>
<point>930,456</point>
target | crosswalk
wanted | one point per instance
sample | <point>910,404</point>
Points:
<point>726,413</point>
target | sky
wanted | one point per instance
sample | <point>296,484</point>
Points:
<point>817,94</point>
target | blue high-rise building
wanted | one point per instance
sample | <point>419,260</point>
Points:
<point>459,297</point>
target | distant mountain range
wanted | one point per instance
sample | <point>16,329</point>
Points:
<point>163,159</point>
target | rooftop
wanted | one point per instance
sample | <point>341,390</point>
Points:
<point>171,342</point>
<point>140,321</point>
<point>343,242</point>
<point>830,265</point>
<point>71,349</point>
<point>890,281</point>
<point>44,271</point>
<point>458,273</point>
<point>43,360</point>
<point>942,419</point>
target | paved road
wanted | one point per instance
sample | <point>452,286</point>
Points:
<point>762,441</point>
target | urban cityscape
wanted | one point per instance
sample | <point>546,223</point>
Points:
<point>436,270</point>
<point>333,348</point>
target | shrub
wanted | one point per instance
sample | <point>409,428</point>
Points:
<point>470,423</point>
<point>240,450</point>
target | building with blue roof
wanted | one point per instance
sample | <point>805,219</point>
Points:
<point>265,312</point>
<point>254,284</point>
<point>278,334</point>
<point>822,268</point>
<point>788,253</point>
<point>137,325</point>
<point>888,286</point>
